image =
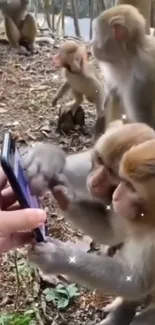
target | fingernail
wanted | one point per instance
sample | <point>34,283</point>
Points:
<point>42,216</point>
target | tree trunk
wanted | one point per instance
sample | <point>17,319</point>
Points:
<point>75,17</point>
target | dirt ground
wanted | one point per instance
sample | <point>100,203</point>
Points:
<point>27,86</point>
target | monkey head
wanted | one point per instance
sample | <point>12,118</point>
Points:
<point>70,56</point>
<point>134,198</point>
<point>116,31</point>
<point>107,153</point>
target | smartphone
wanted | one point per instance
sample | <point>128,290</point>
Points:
<point>11,162</point>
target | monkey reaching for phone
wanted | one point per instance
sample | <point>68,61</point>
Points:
<point>100,165</point>
<point>82,80</point>
<point>133,204</point>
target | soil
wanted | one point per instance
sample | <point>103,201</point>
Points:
<point>27,86</point>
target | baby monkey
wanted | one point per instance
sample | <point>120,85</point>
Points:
<point>81,80</point>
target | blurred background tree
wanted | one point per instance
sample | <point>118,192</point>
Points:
<point>73,17</point>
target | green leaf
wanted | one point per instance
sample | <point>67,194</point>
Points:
<point>62,290</point>
<point>51,295</point>
<point>63,303</point>
<point>72,290</point>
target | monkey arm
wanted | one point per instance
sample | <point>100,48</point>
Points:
<point>61,92</point>
<point>77,169</point>
<point>93,218</point>
<point>104,273</point>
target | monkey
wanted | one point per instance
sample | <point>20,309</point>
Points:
<point>126,56</point>
<point>20,26</point>
<point>81,79</point>
<point>143,6</point>
<point>79,208</point>
<point>133,203</point>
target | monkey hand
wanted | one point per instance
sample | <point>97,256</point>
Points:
<point>44,165</point>
<point>64,195</point>
<point>54,101</point>
<point>50,257</point>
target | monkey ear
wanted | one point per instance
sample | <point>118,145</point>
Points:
<point>118,28</point>
<point>57,60</point>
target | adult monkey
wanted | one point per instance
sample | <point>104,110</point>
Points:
<point>126,57</point>
<point>134,204</point>
<point>84,212</point>
<point>144,8</point>
<point>20,26</point>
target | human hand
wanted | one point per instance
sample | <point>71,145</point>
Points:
<point>16,224</point>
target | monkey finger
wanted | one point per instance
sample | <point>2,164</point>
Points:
<point>61,195</point>
<point>38,185</point>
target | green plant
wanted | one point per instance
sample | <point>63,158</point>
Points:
<point>17,318</point>
<point>61,295</point>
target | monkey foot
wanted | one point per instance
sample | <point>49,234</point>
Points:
<point>99,127</point>
<point>67,119</point>
<point>62,196</point>
<point>79,116</point>
<point>22,51</point>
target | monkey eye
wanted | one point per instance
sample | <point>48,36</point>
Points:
<point>130,186</point>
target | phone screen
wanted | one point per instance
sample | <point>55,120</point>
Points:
<point>22,179</point>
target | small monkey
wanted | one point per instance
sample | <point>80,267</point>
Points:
<point>133,203</point>
<point>81,79</point>
<point>85,206</point>
<point>126,56</point>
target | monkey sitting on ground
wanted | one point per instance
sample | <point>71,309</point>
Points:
<point>20,26</point>
<point>126,56</point>
<point>98,167</point>
<point>131,271</point>
<point>82,80</point>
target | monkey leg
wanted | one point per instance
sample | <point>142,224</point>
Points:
<point>122,313</point>
<point>13,35</point>
<point>28,32</point>
<point>72,111</point>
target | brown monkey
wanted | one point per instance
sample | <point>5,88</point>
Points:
<point>126,56</point>
<point>144,8</point>
<point>99,168</point>
<point>20,25</point>
<point>131,271</point>
<point>81,79</point>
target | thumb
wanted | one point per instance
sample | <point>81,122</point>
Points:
<point>27,219</point>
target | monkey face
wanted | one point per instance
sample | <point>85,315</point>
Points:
<point>125,200</point>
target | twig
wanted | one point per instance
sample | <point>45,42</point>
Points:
<point>38,316</point>
<point>18,280</point>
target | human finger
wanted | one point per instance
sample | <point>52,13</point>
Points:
<point>8,198</point>
<point>3,179</point>
<point>26,219</point>
<point>15,240</point>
